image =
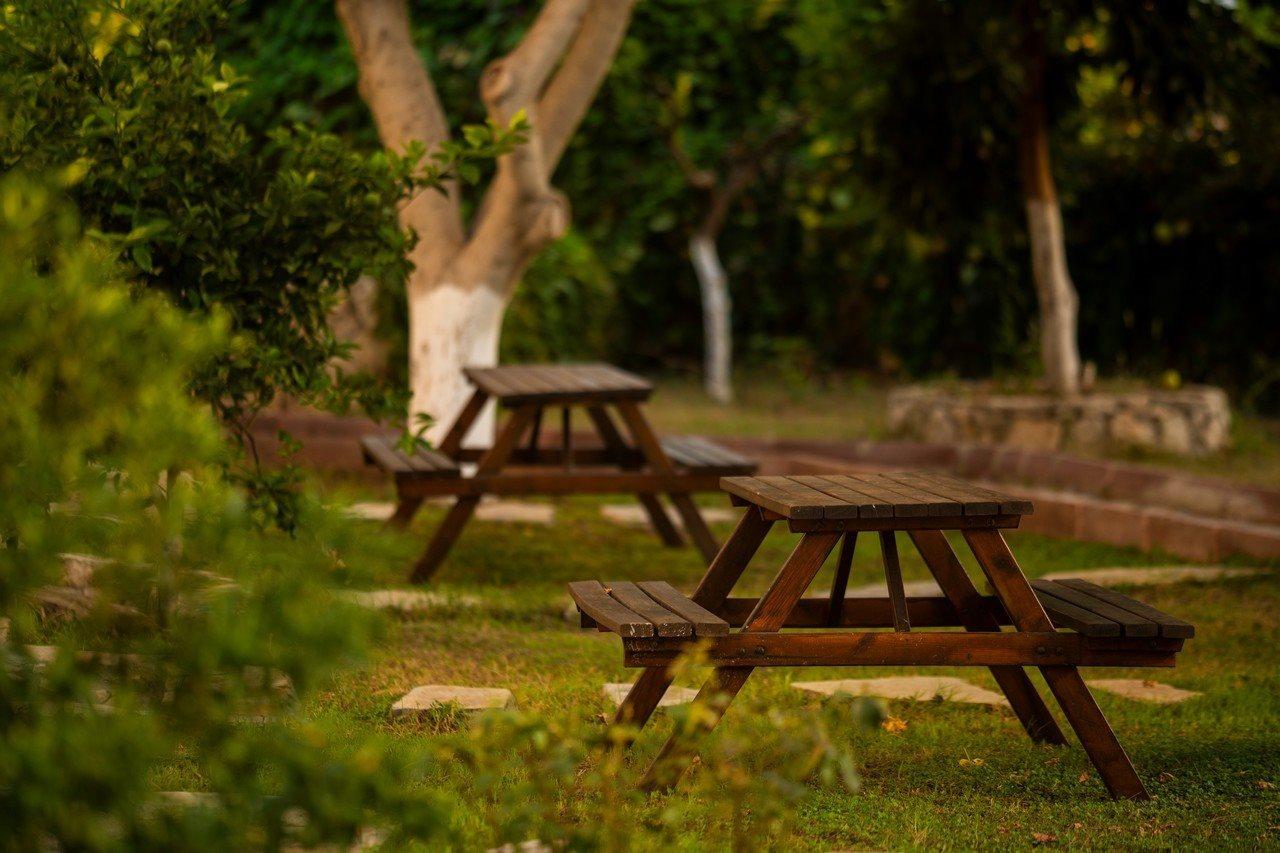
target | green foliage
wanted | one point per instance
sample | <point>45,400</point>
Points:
<point>192,620</point>
<point>268,224</point>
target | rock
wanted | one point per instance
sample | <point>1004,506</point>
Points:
<point>919,687</point>
<point>371,510</point>
<point>1144,691</point>
<point>674,695</point>
<point>78,569</point>
<point>1154,576</point>
<point>1131,429</point>
<point>419,700</point>
<point>516,511</point>
<point>407,600</point>
<point>1035,434</point>
<point>633,515</point>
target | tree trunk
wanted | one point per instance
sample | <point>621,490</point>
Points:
<point>464,276</point>
<point>717,317</point>
<point>1059,304</point>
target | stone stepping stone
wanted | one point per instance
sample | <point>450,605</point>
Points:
<point>633,515</point>
<point>1144,691</point>
<point>522,512</point>
<point>420,700</point>
<point>674,696</point>
<point>918,687</point>
<point>407,600</point>
<point>1158,576</point>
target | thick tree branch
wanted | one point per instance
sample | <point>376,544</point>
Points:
<point>571,90</point>
<point>400,95</point>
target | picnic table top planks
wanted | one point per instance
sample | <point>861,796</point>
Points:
<point>520,384</point>
<point>874,496</point>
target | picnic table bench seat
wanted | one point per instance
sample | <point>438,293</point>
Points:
<point>695,453</point>
<point>665,619</point>
<point>382,451</point>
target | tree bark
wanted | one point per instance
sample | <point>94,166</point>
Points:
<point>1056,293</point>
<point>463,279</point>
<point>717,317</point>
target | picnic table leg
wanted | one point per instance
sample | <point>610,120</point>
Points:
<point>465,506</point>
<point>651,449</point>
<point>835,609</point>
<point>770,614</point>
<point>1077,703</point>
<point>974,616</point>
<point>614,443</point>
<point>723,573</point>
<point>405,510</point>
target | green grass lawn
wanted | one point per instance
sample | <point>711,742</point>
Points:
<point>958,776</point>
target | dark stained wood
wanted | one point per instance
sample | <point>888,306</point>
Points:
<point>382,451</point>
<point>950,491</point>
<point>627,459</point>
<point>593,599</point>
<point>665,622</point>
<point>581,482</point>
<point>462,510</point>
<point>704,622</point>
<point>868,507</point>
<point>978,614</point>
<point>732,560</point>
<point>893,578</point>
<point>642,434</point>
<point>1067,615</point>
<point>689,451</point>
<point>1130,625</point>
<point>840,582</point>
<point>405,510</point>
<point>965,522</point>
<point>452,441</point>
<point>1087,720</point>
<point>861,612</point>
<point>888,648</point>
<point>870,496</point>
<point>516,384</point>
<point>643,697</point>
<point>1169,626</point>
<point>791,582</point>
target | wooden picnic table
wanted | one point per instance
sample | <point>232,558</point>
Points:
<point>676,466</point>
<point>1056,626</point>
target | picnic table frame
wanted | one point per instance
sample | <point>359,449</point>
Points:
<point>1109,629</point>
<point>631,462</point>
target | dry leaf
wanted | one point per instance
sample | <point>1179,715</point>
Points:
<point>1043,837</point>
<point>1084,776</point>
<point>894,725</point>
<point>1265,785</point>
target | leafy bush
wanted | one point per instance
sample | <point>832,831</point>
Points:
<point>195,632</point>
<point>269,225</point>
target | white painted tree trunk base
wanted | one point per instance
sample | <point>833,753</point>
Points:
<point>717,318</point>
<point>452,327</point>
<point>1059,304</point>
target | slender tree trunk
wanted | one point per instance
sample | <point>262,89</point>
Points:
<point>717,317</point>
<point>1059,303</point>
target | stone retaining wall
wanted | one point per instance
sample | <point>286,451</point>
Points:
<point>1190,421</point>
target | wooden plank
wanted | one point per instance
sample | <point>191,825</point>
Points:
<point>1008,503</point>
<point>1130,624</point>
<point>881,648</point>
<point>861,612</point>
<point>754,491</point>
<point>452,441</point>
<point>560,482</point>
<point>378,450</point>
<point>791,581</point>
<point>892,494</point>
<point>704,622</point>
<point>893,578</point>
<point>665,622</point>
<point>1170,626</point>
<point>840,582</point>
<point>593,600</point>
<point>936,504</point>
<point>971,504</point>
<point>864,505</point>
<point>1067,615</point>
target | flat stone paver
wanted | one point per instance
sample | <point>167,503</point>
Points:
<point>1144,691</point>
<point>521,512</point>
<point>407,600</point>
<point>633,515</point>
<point>490,509</point>
<point>1157,576</point>
<point>371,510</point>
<point>419,700</point>
<point>674,696</point>
<point>919,687</point>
